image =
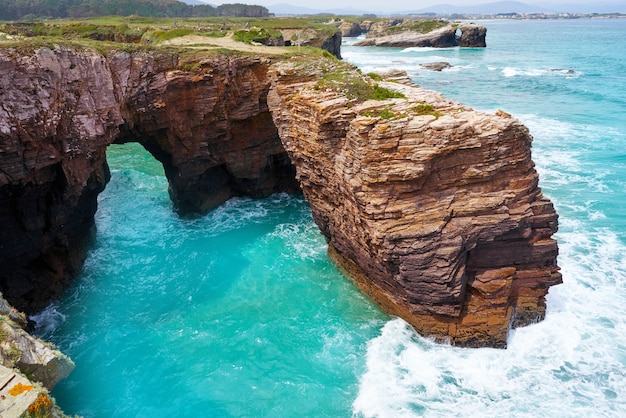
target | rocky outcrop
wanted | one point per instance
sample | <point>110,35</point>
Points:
<point>350,29</point>
<point>472,36</point>
<point>405,36</point>
<point>206,121</point>
<point>22,351</point>
<point>330,42</point>
<point>29,368</point>
<point>432,208</point>
<point>436,66</point>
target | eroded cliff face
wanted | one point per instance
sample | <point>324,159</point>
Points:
<point>58,113</point>
<point>467,35</point>
<point>432,208</point>
<point>60,107</point>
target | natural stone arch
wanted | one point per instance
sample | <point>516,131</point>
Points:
<point>213,133</point>
<point>404,203</point>
<point>471,35</point>
<point>208,125</point>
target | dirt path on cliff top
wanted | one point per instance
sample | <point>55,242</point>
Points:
<point>206,42</point>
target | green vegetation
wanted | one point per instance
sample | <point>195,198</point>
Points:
<point>423,26</point>
<point>343,78</point>
<point>138,29</point>
<point>425,109</point>
<point>320,24</point>
<point>375,76</point>
<point>257,35</point>
<point>165,35</point>
<point>385,113</point>
<point>115,33</point>
<point>37,9</point>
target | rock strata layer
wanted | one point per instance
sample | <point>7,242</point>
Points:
<point>29,368</point>
<point>432,208</point>
<point>206,121</point>
<point>464,35</point>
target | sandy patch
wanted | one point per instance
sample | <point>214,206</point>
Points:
<point>207,42</point>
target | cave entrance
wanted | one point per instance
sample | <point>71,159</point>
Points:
<point>133,156</point>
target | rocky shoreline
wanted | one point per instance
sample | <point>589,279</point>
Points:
<point>29,368</point>
<point>407,33</point>
<point>432,208</point>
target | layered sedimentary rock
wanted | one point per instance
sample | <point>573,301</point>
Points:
<point>311,37</point>
<point>24,360</point>
<point>432,208</point>
<point>206,121</point>
<point>350,29</point>
<point>450,35</point>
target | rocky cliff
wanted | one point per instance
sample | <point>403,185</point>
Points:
<point>206,121</point>
<point>432,208</point>
<point>406,34</point>
<point>29,368</point>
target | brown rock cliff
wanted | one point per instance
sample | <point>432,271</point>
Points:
<point>432,208</point>
<point>60,107</point>
<point>464,35</point>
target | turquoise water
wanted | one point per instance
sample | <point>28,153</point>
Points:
<point>239,313</point>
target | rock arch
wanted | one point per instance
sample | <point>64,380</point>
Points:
<point>210,128</point>
<point>435,212</point>
<point>471,35</point>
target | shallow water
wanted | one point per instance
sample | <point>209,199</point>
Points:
<point>240,313</point>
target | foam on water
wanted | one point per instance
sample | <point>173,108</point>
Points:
<point>573,364</point>
<point>538,72</point>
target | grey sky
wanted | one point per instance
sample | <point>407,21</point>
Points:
<point>403,5</point>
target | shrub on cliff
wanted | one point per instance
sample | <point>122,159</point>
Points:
<point>260,36</point>
<point>344,79</point>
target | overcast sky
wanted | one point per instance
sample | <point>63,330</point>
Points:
<point>402,5</point>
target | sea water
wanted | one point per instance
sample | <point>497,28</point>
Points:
<point>240,314</point>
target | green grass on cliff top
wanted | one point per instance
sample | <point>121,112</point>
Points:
<point>134,29</point>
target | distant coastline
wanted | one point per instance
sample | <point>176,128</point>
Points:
<point>527,16</point>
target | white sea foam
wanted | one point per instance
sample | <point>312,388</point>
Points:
<point>232,214</point>
<point>425,49</point>
<point>47,321</point>
<point>539,72</point>
<point>572,364</point>
<point>303,240</point>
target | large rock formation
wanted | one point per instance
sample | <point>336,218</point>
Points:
<point>405,35</point>
<point>59,110</point>
<point>350,29</point>
<point>431,207</point>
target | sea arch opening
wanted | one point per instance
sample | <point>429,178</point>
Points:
<point>242,158</point>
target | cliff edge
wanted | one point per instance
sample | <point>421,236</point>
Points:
<point>432,208</point>
<point>407,33</point>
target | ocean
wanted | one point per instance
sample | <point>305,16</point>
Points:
<point>240,313</point>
